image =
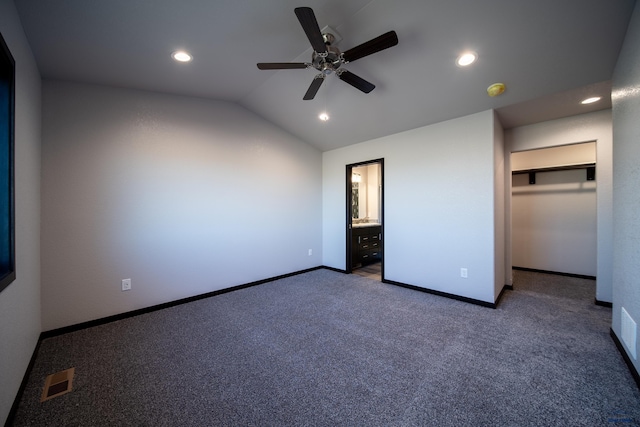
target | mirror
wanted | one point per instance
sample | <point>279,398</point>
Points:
<point>366,187</point>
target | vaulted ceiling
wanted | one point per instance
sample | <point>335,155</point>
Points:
<point>550,54</point>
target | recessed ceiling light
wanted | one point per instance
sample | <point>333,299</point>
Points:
<point>181,56</point>
<point>591,100</point>
<point>467,58</point>
<point>323,116</point>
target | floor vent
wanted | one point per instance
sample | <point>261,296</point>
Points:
<point>57,384</point>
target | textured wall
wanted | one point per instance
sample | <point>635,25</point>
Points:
<point>626,196</point>
<point>182,195</point>
<point>439,205</point>
<point>20,302</point>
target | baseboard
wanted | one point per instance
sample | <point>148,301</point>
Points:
<point>442,294</point>
<point>23,385</point>
<point>109,319</point>
<point>557,273</point>
<point>625,356</point>
<point>334,269</point>
<point>504,288</point>
<point>602,303</point>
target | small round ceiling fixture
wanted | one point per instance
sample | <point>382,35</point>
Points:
<point>496,89</point>
<point>466,59</point>
<point>323,116</point>
<point>182,56</point>
<point>591,100</point>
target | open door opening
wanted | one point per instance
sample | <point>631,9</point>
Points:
<point>365,219</point>
<point>554,220</point>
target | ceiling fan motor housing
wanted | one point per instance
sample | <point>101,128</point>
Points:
<point>329,61</point>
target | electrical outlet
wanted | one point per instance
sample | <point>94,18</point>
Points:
<point>310,252</point>
<point>463,273</point>
<point>126,284</point>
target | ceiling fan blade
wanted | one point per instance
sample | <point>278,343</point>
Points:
<point>281,65</point>
<point>310,26</point>
<point>356,81</point>
<point>382,42</point>
<point>313,89</point>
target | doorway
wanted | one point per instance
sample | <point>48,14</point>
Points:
<point>365,219</point>
<point>553,210</point>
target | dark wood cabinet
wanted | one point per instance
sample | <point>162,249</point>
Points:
<point>366,245</point>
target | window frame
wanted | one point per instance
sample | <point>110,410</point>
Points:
<point>7,160</point>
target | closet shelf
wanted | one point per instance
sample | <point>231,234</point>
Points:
<point>590,167</point>
<point>555,168</point>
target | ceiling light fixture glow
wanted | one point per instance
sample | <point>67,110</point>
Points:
<point>323,116</point>
<point>181,56</point>
<point>467,58</point>
<point>591,100</point>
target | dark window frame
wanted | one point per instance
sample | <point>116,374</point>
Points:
<point>7,173</point>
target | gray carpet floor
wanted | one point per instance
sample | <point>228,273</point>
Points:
<point>324,348</point>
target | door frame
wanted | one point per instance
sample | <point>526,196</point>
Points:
<point>349,225</point>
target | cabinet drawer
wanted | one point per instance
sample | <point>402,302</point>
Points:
<point>370,255</point>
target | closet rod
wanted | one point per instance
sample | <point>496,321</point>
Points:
<point>555,168</point>
<point>590,167</point>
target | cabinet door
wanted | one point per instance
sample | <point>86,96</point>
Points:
<point>355,249</point>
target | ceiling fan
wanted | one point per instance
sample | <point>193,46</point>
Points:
<point>327,58</point>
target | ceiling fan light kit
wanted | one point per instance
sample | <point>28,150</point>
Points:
<point>327,58</point>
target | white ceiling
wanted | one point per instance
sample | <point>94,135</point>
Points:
<point>549,53</point>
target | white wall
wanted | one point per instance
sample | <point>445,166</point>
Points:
<point>439,205</point>
<point>182,195</point>
<point>582,128</point>
<point>563,155</point>
<point>499,224</point>
<point>20,302</point>
<point>626,197</point>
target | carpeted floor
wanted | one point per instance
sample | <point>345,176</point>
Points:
<point>324,348</point>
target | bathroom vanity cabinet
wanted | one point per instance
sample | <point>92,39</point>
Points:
<point>366,245</point>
